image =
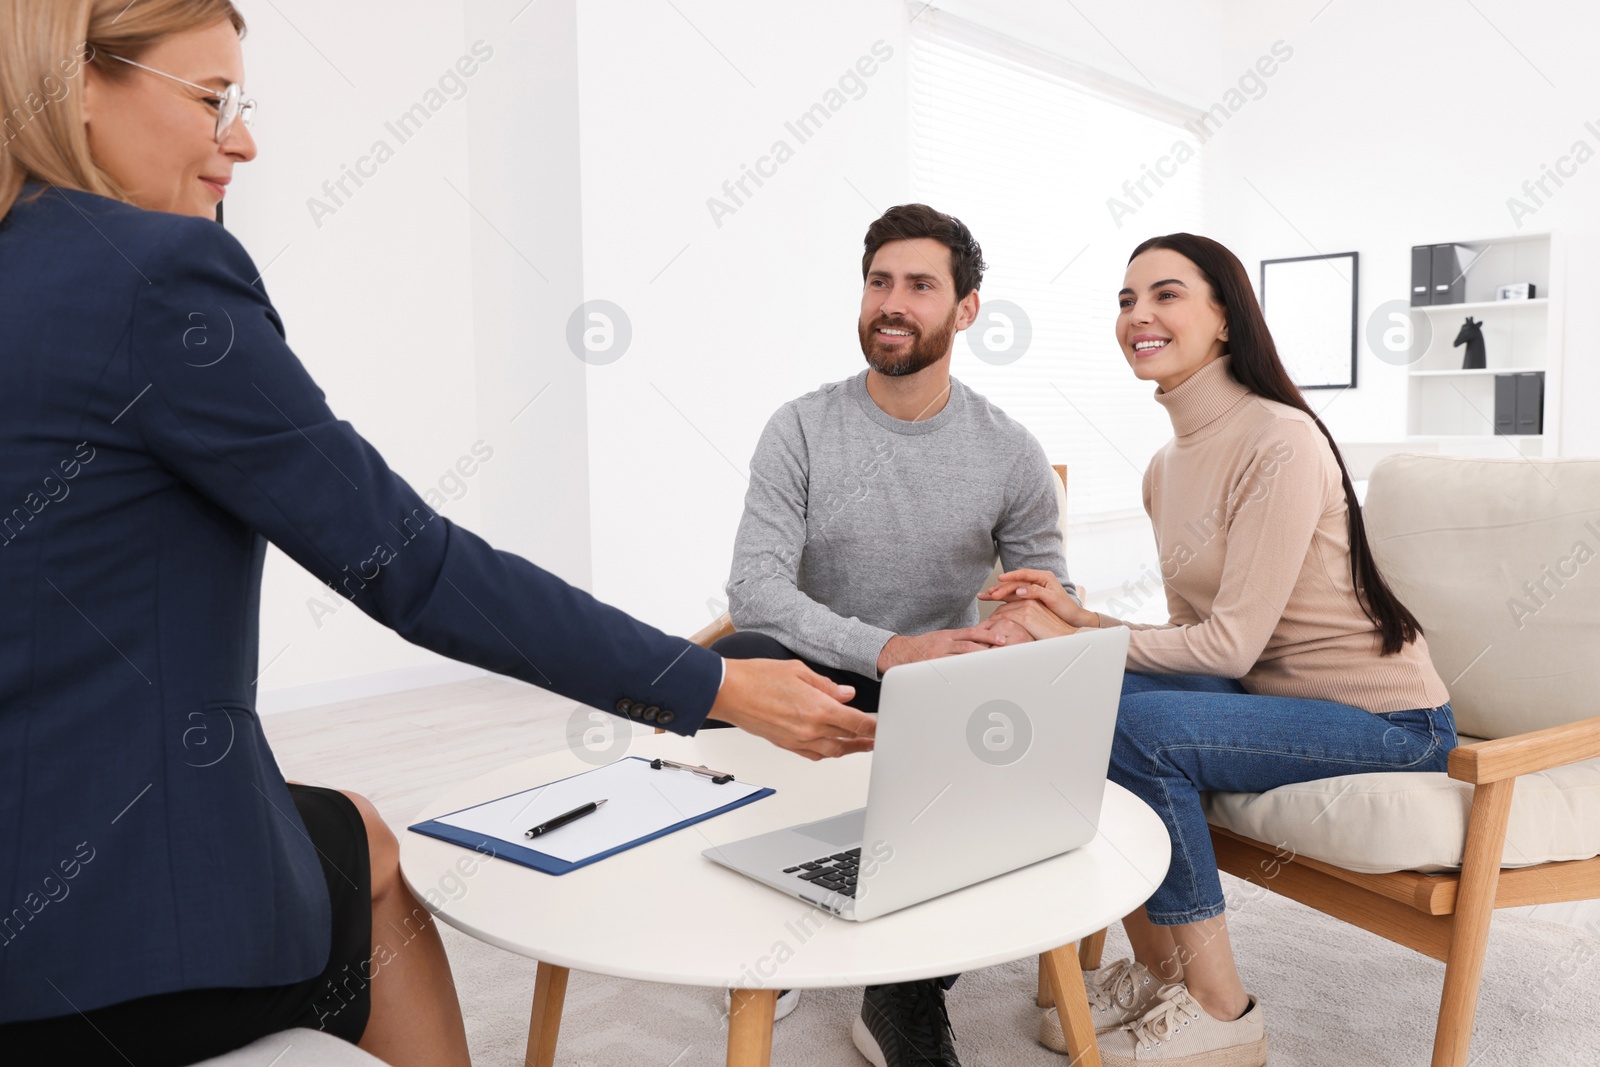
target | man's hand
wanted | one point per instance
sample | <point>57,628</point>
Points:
<point>787,703</point>
<point>1022,586</point>
<point>1034,617</point>
<point>935,645</point>
<point>1007,631</point>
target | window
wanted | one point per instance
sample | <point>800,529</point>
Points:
<point>1030,158</point>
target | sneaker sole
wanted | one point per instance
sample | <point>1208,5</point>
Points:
<point>866,1044</point>
<point>1251,1055</point>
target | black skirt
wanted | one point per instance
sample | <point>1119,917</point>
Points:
<point>176,1029</point>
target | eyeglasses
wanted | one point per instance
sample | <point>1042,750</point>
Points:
<point>228,104</point>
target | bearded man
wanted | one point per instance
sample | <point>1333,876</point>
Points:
<point>875,511</point>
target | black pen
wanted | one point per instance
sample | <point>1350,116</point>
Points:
<point>562,820</point>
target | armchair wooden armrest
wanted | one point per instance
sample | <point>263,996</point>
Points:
<point>1541,750</point>
<point>1493,768</point>
<point>714,631</point>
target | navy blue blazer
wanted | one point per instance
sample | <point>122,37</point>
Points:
<point>141,475</point>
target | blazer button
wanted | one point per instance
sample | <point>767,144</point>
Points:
<point>624,706</point>
<point>651,712</point>
<point>664,717</point>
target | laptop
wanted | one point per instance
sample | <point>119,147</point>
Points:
<point>984,763</point>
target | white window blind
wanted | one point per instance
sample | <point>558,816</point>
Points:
<point>1028,159</point>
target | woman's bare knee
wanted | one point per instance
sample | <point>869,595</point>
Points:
<point>383,848</point>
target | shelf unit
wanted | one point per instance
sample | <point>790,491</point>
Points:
<point>1478,305</point>
<point>1452,373</point>
<point>1454,407</point>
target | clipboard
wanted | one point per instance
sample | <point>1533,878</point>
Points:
<point>648,799</point>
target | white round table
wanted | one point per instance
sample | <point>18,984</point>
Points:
<point>662,912</point>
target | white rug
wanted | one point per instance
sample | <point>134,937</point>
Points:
<point>1335,996</point>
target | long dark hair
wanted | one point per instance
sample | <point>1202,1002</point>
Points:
<point>1254,362</point>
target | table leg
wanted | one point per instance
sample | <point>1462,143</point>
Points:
<point>1090,949</point>
<point>750,1027</point>
<point>549,993</point>
<point>1072,1003</point>
<point>1089,952</point>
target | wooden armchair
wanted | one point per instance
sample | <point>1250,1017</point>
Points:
<point>712,632</point>
<point>1516,820</point>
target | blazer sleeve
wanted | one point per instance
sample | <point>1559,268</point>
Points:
<point>239,419</point>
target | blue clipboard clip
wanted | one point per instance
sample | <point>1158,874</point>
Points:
<point>717,777</point>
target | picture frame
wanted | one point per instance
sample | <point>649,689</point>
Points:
<point>1310,306</point>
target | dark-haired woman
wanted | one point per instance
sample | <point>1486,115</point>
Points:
<point>1286,658</point>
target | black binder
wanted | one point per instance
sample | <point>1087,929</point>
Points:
<point>1530,402</point>
<point>1505,404</point>
<point>1449,282</point>
<point>1421,275</point>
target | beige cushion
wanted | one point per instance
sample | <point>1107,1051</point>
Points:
<point>296,1048</point>
<point>1456,538</point>
<point>1407,821</point>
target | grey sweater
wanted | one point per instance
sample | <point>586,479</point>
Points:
<point>859,526</point>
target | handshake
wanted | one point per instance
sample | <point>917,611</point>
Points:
<point>1033,607</point>
<point>794,707</point>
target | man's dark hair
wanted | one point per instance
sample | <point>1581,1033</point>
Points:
<point>907,221</point>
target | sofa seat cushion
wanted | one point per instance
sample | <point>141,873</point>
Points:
<point>1408,821</point>
<point>296,1048</point>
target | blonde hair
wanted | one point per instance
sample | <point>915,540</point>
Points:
<point>44,46</point>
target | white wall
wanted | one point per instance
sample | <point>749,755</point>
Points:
<point>729,320</point>
<point>528,259</point>
<point>587,146</point>
<point>1401,124</point>
<point>1390,125</point>
<point>590,141</point>
<point>377,300</point>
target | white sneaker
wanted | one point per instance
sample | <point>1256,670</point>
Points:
<point>1177,1032</point>
<point>788,1000</point>
<point>1119,993</point>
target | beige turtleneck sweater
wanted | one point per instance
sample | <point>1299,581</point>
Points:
<point>1253,535</point>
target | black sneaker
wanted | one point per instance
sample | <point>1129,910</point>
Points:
<point>905,1025</point>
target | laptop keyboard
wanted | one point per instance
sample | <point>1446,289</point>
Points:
<point>835,873</point>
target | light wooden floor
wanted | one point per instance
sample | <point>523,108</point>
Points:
<point>404,749</point>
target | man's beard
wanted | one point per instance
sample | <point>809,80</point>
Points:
<point>922,351</point>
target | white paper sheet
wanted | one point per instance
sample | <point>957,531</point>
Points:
<point>641,801</point>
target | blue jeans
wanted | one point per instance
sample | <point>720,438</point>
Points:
<point>1181,734</point>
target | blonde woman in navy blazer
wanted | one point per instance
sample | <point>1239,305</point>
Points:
<point>161,902</point>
